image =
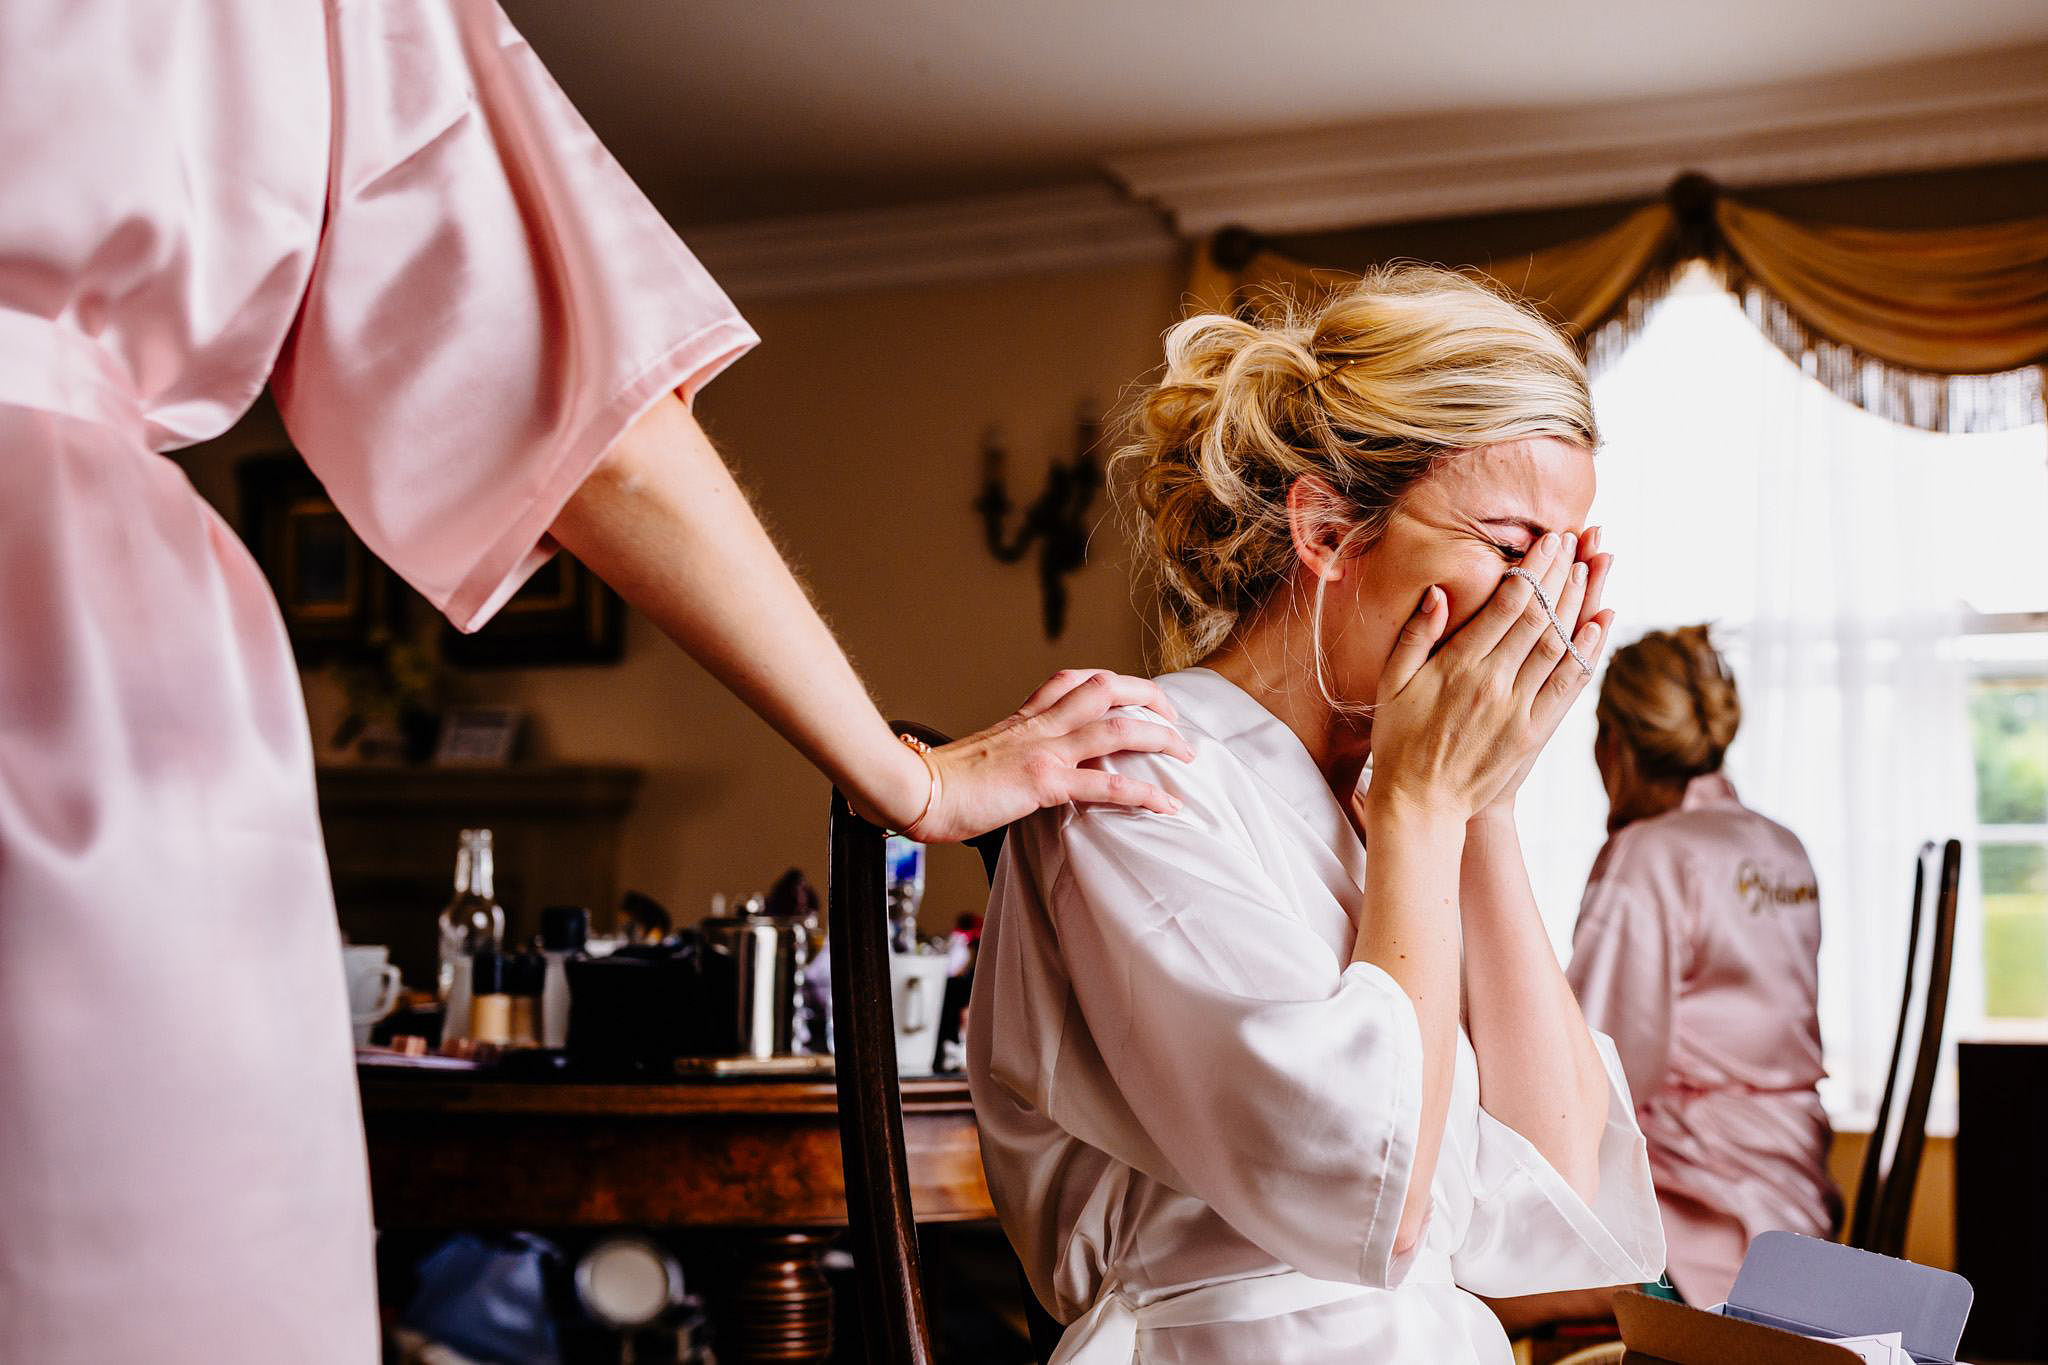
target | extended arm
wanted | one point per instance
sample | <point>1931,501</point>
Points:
<point>662,520</point>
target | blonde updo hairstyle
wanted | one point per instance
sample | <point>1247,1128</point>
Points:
<point>1670,698</point>
<point>1367,390</point>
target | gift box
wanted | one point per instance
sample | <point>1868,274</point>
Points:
<point>1801,1301</point>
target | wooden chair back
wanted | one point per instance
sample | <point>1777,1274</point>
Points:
<point>882,1227</point>
<point>1898,1137</point>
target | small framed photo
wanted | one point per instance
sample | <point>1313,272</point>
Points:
<point>334,594</point>
<point>479,737</point>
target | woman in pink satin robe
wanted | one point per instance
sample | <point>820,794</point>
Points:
<point>483,339</point>
<point>1696,952</point>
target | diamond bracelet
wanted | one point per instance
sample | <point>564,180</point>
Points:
<point>1555,624</point>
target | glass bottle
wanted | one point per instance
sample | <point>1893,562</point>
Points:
<point>905,890</point>
<point>472,922</point>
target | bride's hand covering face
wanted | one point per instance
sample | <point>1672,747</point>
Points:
<point>1343,492</point>
<point>1468,685</point>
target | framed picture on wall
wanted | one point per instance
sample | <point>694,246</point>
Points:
<point>479,737</point>
<point>335,594</point>
<point>564,614</point>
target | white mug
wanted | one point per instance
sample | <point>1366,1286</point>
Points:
<point>917,983</point>
<point>372,981</point>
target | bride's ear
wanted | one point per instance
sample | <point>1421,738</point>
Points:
<point>1316,520</point>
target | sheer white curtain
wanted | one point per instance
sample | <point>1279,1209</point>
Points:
<point>1827,545</point>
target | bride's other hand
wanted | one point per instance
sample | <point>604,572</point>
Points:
<point>1036,757</point>
<point>1452,728</point>
<point>1555,701</point>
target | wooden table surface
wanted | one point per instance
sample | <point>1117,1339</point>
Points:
<point>460,1150</point>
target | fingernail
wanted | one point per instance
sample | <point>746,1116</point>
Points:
<point>1175,802</point>
<point>1548,543</point>
<point>1579,572</point>
<point>1571,544</point>
<point>1592,635</point>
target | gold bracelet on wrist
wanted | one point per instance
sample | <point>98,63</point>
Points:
<point>931,772</point>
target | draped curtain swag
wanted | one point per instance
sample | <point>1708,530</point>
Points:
<point>1943,329</point>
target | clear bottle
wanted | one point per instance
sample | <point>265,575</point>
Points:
<point>473,922</point>
<point>905,890</point>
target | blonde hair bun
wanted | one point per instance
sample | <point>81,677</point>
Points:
<point>1366,389</point>
<point>1671,698</point>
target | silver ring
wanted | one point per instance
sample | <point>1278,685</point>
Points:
<point>1519,572</point>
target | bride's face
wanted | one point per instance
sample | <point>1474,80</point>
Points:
<point>1461,529</point>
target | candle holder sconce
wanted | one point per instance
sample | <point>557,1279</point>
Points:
<point>1056,522</point>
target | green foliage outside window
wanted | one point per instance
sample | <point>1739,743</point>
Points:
<point>2009,725</point>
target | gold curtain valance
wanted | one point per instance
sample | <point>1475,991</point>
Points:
<point>1943,329</point>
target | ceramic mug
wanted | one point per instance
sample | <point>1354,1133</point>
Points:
<point>373,984</point>
<point>917,983</point>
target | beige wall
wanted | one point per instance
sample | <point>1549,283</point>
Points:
<point>1931,1226</point>
<point>857,425</point>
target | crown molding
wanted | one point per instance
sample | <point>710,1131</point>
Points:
<point>1960,111</point>
<point>1970,110</point>
<point>1069,227</point>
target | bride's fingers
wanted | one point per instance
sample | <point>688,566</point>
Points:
<point>1478,636</point>
<point>1567,679</point>
<point>1424,627</point>
<point>1527,634</point>
<point>1123,735</point>
<point>1597,569</point>
<point>1545,653</point>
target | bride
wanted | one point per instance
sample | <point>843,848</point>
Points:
<point>1293,1075</point>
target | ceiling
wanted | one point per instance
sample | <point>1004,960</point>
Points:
<point>733,109</point>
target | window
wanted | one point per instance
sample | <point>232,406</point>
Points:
<point>2009,732</point>
<point>1882,596</point>
<point>2004,585</point>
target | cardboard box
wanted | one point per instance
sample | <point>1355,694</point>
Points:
<point>1793,1290</point>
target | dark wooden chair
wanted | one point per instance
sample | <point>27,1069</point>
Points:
<point>881,1227</point>
<point>1898,1136</point>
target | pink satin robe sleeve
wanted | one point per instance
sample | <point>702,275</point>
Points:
<point>390,203</point>
<point>492,304</point>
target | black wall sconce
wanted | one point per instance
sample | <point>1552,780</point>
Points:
<point>1056,521</point>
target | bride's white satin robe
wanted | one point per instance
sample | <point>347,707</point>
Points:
<point>1183,1082</point>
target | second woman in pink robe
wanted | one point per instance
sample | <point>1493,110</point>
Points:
<point>1696,952</point>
